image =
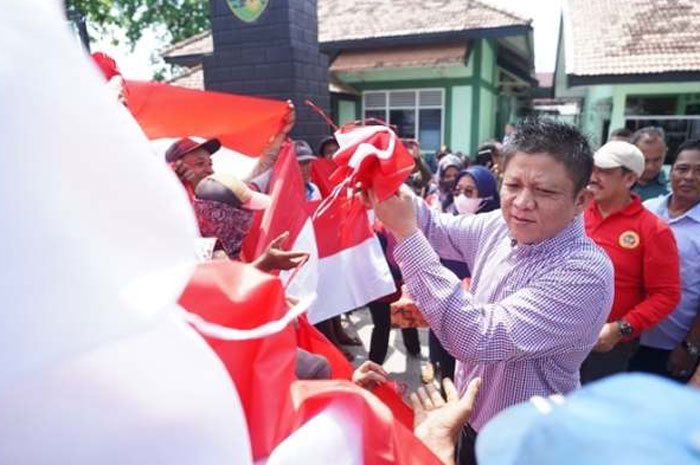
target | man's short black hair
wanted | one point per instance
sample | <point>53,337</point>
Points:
<point>562,141</point>
<point>691,144</point>
<point>621,132</point>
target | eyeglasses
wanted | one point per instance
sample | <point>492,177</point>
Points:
<point>469,192</point>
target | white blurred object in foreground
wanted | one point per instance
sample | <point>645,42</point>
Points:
<point>97,245</point>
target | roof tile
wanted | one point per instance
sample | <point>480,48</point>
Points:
<point>632,36</point>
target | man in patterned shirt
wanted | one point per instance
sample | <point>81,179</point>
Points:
<point>541,289</point>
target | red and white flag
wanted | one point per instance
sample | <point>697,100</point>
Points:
<point>346,267</point>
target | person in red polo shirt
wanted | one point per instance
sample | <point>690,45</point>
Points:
<point>644,254</point>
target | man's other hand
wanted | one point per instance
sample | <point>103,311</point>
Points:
<point>608,338</point>
<point>438,421</point>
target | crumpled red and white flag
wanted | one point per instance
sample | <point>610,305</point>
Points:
<point>355,425</point>
<point>346,268</point>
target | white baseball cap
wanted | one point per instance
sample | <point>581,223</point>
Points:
<point>617,154</point>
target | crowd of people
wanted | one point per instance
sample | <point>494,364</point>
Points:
<point>537,263</point>
<point>539,267</point>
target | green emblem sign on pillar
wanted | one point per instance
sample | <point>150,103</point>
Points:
<point>247,11</point>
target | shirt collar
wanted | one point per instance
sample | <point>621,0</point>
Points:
<point>630,209</point>
<point>659,179</point>
<point>693,213</point>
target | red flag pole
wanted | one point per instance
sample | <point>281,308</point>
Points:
<point>322,114</point>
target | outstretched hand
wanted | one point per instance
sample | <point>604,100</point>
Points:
<point>438,421</point>
<point>369,375</point>
<point>276,258</point>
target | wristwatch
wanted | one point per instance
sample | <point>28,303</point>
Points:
<point>625,328</point>
<point>693,349</point>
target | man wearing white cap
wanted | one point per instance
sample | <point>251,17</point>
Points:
<point>643,252</point>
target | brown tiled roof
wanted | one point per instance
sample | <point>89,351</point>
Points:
<point>343,20</point>
<point>614,37</point>
<point>196,45</point>
<point>192,79</point>
<point>400,57</point>
<point>346,20</point>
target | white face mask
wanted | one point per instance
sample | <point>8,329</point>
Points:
<point>467,205</point>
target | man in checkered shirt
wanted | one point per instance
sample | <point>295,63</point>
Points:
<point>541,289</point>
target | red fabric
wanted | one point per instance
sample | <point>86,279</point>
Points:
<point>238,296</point>
<point>385,440</point>
<point>645,257</point>
<point>384,176</point>
<point>342,225</point>
<point>106,64</point>
<point>341,220</point>
<point>312,340</point>
<point>287,211</point>
<point>321,171</point>
<point>390,394</point>
<point>244,124</point>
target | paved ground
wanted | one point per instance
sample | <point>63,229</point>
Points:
<point>400,366</point>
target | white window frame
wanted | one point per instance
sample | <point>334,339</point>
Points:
<point>416,106</point>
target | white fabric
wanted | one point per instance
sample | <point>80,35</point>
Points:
<point>342,292</point>
<point>97,244</point>
<point>334,436</point>
<point>158,396</point>
<point>303,282</point>
<point>365,149</point>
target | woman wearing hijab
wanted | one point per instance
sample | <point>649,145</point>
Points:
<point>448,170</point>
<point>474,190</point>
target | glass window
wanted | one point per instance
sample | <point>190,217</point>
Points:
<point>657,106</point>
<point>377,114</point>
<point>430,124</point>
<point>415,113</point>
<point>405,122</point>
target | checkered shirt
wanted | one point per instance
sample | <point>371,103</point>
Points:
<point>533,312</point>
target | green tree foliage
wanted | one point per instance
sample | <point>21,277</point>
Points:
<point>181,18</point>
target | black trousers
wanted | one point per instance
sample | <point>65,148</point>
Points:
<point>651,360</point>
<point>379,342</point>
<point>466,452</point>
<point>439,357</point>
<point>601,364</point>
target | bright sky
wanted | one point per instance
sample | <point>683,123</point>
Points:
<point>545,14</point>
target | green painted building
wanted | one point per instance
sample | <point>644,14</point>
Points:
<point>630,63</point>
<point>448,73</point>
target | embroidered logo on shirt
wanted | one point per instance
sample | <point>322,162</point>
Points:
<point>629,240</point>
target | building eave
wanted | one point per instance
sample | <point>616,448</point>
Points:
<point>642,78</point>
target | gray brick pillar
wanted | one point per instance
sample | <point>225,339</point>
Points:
<point>275,56</point>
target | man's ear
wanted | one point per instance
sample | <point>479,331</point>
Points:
<point>583,198</point>
<point>630,180</point>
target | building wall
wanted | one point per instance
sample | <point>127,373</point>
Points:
<point>461,118</point>
<point>488,95</point>
<point>622,91</point>
<point>603,104</point>
<point>596,109</point>
<point>471,96</point>
<point>346,112</point>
